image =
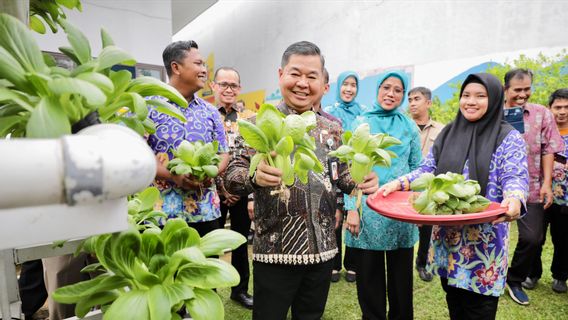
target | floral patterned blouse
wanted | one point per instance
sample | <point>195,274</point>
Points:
<point>475,257</point>
<point>560,181</point>
<point>203,123</point>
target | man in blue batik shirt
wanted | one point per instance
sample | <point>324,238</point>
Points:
<point>181,195</point>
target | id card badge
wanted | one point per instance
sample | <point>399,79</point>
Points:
<point>333,164</point>
<point>514,116</point>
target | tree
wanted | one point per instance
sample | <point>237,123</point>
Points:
<point>550,73</point>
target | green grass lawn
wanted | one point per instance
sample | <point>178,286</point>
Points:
<point>429,298</point>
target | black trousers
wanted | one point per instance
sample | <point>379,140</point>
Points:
<point>423,245</point>
<point>32,287</point>
<point>374,283</point>
<point>467,305</point>
<point>240,222</point>
<point>531,233</point>
<point>349,259</point>
<point>278,287</point>
<point>204,228</point>
<point>557,217</point>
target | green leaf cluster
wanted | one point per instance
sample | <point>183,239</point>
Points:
<point>40,100</point>
<point>141,212</point>
<point>153,274</point>
<point>447,193</point>
<point>51,12</point>
<point>196,158</point>
<point>284,136</point>
<point>362,151</point>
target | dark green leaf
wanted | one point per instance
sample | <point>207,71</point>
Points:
<point>157,262</point>
<point>70,53</point>
<point>84,305</point>
<point>151,244</point>
<point>143,276</point>
<point>69,4</point>
<point>75,292</point>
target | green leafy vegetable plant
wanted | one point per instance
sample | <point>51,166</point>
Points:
<point>196,158</point>
<point>51,11</point>
<point>153,274</point>
<point>40,100</point>
<point>362,151</point>
<point>447,193</point>
<point>275,137</point>
<point>141,212</point>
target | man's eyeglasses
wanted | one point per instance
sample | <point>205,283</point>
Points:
<point>225,85</point>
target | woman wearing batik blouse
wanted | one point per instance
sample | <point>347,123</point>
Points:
<point>472,260</point>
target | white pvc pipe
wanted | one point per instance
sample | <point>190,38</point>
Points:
<point>31,172</point>
<point>102,162</point>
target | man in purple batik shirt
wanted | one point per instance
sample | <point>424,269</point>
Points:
<point>182,196</point>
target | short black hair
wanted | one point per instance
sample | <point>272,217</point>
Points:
<point>427,93</point>
<point>176,51</point>
<point>226,69</point>
<point>558,94</point>
<point>518,73</point>
<point>303,48</point>
<point>325,76</point>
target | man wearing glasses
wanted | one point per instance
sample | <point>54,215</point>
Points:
<point>227,86</point>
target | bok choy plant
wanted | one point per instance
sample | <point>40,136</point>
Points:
<point>447,193</point>
<point>40,100</point>
<point>152,274</point>
<point>196,158</point>
<point>276,137</point>
<point>362,151</point>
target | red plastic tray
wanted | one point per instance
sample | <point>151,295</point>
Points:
<point>396,206</point>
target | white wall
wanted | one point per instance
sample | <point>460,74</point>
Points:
<point>366,35</point>
<point>141,27</point>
